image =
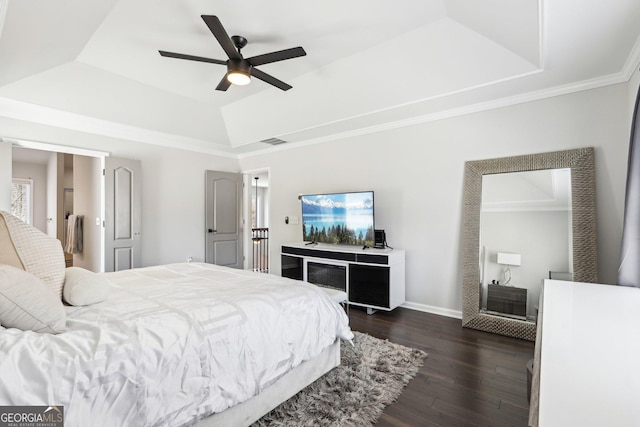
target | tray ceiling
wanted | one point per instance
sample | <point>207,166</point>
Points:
<point>94,67</point>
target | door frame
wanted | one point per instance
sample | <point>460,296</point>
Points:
<point>246,214</point>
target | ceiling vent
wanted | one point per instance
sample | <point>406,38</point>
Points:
<point>274,141</point>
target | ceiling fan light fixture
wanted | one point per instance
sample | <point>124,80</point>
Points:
<point>238,72</point>
<point>238,77</point>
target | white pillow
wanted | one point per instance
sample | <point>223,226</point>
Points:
<point>84,287</point>
<point>29,304</point>
<point>40,254</point>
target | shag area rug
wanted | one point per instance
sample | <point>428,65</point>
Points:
<point>371,375</point>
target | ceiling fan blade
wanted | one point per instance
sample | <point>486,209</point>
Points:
<point>224,84</point>
<point>221,35</point>
<point>269,79</point>
<point>280,55</point>
<point>191,57</point>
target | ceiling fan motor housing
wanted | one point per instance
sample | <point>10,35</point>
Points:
<point>239,65</point>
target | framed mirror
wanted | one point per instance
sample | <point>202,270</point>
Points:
<point>482,311</point>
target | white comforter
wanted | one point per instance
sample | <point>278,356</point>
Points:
<point>171,344</point>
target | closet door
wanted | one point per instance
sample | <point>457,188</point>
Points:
<point>223,219</point>
<point>122,214</point>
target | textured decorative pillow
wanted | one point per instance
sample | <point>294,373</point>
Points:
<point>40,255</point>
<point>84,287</point>
<point>8,253</point>
<point>27,303</point>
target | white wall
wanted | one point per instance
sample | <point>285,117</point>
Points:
<point>52,195</point>
<point>5,176</point>
<point>263,206</point>
<point>38,174</point>
<point>87,183</point>
<point>417,174</point>
<point>58,217</point>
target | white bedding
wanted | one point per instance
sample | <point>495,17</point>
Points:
<point>171,344</point>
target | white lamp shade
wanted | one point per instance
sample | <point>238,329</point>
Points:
<point>509,259</point>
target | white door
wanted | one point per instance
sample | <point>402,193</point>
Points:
<point>223,219</point>
<point>122,214</point>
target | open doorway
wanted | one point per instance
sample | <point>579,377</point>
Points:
<point>66,181</point>
<point>46,178</point>
<point>61,185</point>
<point>257,219</point>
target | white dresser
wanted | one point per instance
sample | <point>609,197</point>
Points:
<point>589,353</point>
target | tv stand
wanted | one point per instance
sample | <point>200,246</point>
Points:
<point>372,278</point>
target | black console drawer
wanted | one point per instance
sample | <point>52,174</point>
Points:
<point>507,299</point>
<point>318,253</point>
<point>372,259</point>
<point>369,285</point>
<point>291,267</point>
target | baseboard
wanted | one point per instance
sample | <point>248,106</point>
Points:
<point>433,310</point>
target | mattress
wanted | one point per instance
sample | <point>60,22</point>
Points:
<point>170,345</point>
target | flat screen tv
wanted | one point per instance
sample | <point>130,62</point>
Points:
<point>343,218</point>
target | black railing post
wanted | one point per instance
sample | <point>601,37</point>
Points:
<point>260,239</point>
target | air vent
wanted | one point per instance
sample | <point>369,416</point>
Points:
<point>274,141</point>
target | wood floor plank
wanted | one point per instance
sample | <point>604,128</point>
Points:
<point>470,378</point>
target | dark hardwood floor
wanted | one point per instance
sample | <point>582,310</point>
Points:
<point>469,378</point>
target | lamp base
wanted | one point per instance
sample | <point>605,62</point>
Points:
<point>507,276</point>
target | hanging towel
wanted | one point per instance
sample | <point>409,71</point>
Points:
<point>73,238</point>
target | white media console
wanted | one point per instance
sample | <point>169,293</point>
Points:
<point>372,278</point>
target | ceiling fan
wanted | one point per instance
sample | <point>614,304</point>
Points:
<point>239,69</point>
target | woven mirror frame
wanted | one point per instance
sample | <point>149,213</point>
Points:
<point>585,254</point>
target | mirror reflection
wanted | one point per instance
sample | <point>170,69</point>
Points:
<point>525,237</point>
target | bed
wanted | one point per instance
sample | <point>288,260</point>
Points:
<point>179,344</point>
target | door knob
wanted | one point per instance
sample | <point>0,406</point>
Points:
<point>211,230</point>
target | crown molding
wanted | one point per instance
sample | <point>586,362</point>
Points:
<point>631,65</point>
